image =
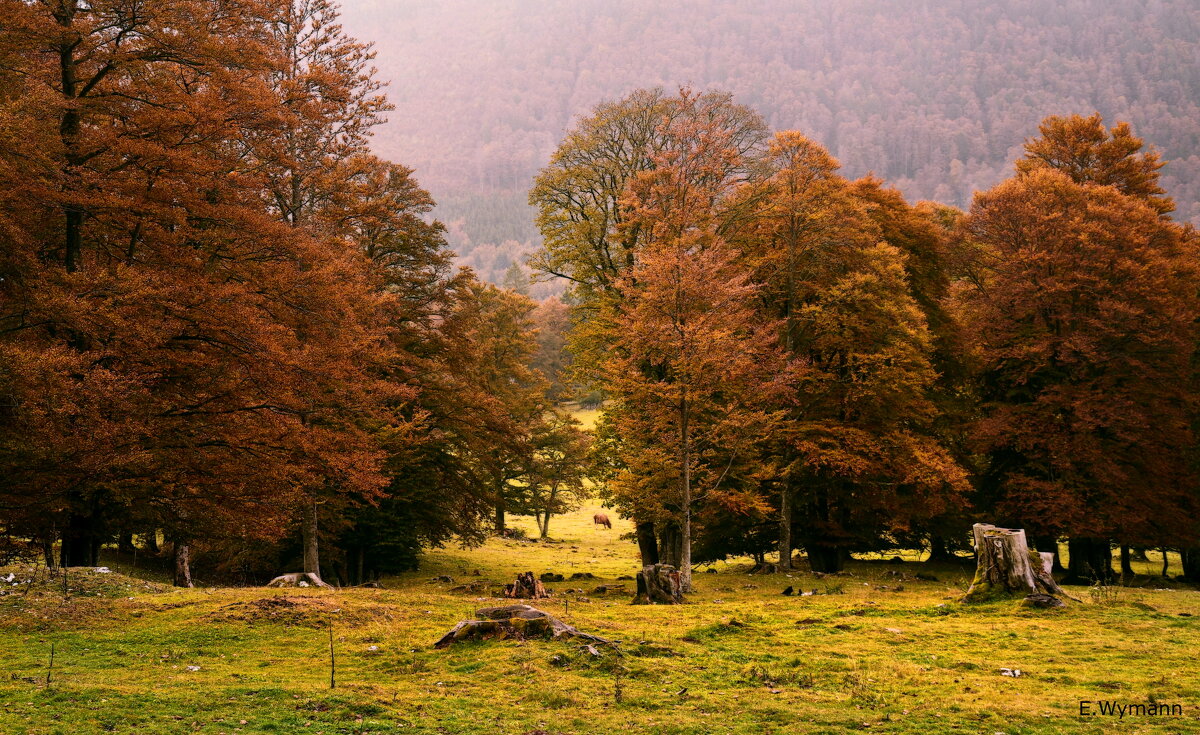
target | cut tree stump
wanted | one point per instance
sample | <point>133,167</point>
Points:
<point>659,584</point>
<point>515,621</point>
<point>298,579</point>
<point>1006,567</point>
<point>526,587</point>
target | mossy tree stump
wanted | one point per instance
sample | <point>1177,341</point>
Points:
<point>298,579</point>
<point>1006,567</point>
<point>659,583</point>
<point>514,621</point>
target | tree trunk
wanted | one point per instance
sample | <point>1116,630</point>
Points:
<point>785,526</point>
<point>659,584</point>
<point>1090,560</point>
<point>546,524</point>
<point>69,125</point>
<point>151,541</point>
<point>685,554</point>
<point>1126,562</point>
<point>1191,564</point>
<point>519,622</point>
<point>500,516</point>
<point>1005,566</point>
<point>669,547</point>
<point>308,535</point>
<point>78,547</point>
<point>298,579</point>
<point>526,587</point>
<point>48,550</point>
<point>937,548</point>
<point>1049,543</point>
<point>825,559</point>
<point>647,543</point>
<point>183,565</point>
<point>125,542</point>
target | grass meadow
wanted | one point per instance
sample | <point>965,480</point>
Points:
<point>879,650</point>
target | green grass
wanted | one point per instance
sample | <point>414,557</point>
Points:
<point>739,658</point>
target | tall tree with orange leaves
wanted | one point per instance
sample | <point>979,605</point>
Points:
<point>1084,150</point>
<point>690,365</point>
<point>173,356</point>
<point>1083,326</point>
<point>857,458</point>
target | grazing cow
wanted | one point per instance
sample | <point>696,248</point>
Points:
<point>601,519</point>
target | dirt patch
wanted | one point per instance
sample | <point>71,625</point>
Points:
<point>300,610</point>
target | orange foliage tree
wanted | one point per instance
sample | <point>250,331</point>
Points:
<point>174,356</point>
<point>1082,321</point>
<point>856,452</point>
<point>689,363</point>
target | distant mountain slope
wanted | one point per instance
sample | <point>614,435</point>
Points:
<point>936,97</point>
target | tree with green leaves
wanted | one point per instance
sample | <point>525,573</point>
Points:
<point>556,478</point>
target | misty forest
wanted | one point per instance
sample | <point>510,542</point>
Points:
<point>579,367</point>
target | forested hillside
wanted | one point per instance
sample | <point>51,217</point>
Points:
<point>934,97</point>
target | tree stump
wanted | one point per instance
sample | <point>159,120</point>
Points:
<point>659,583</point>
<point>526,587</point>
<point>1005,566</point>
<point>298,579</point>
<point>514,621</point>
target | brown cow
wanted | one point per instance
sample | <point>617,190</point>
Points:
<point>601,519</point>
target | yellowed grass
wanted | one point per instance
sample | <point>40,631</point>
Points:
<point>739,658</point>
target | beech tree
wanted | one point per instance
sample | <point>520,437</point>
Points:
<point>1084,150</point>
<point>553,359</point>
<point>162,369</point>
<point>592,239</point>
<point>555,481</point>
<point>690,361</point>
<point>1083,326</point>
<point>329,101</point>
<point>856,451</point>
<point>465,440</point>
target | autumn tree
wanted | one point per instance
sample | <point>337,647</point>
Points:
<point>583,218</point>
<point>855,452</point>
<point>175,357</point>
<point>925,236</point>
<point>1083,328</point>
<point>552,318</point>
<point>1085,151</point>
<point>689,362</point>
<point>591,237</point>
<point>329,101</point>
